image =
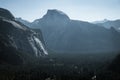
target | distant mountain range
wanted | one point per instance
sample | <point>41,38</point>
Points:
<point>102,21</point>
<point>108,24</point>
<point>63,35</point>
<point>17,40</point>
<point>25,22</point>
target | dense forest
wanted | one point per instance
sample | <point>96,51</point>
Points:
<point>62,67</point>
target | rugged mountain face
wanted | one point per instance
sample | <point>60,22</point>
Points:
<point>16,38</point>
<point>63,35</point>
<point>108,24</point>
<point>52,18</point>
<point>6,14</point>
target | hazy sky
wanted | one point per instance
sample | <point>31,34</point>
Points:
<point>86,10</point>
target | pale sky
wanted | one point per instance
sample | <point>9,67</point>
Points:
<point>86,10</point>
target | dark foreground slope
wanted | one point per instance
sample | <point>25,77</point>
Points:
<point>62,67</point>
<point>16,39</point>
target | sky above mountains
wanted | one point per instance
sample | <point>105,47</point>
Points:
<point>86,10</point>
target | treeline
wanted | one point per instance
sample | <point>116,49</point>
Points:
<point>62,67</point>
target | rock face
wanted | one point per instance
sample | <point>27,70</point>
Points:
<point>6,14</point>
<point>63,35</point>
<point>16,37</point>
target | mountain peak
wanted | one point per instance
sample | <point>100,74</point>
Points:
<point>55,15</point>
<point>6,14</point>
<point>55,11</point>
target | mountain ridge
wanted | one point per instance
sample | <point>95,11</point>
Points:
<point>66,35</point>
<point>111,23</point>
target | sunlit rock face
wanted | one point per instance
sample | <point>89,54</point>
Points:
<point>19,37</point>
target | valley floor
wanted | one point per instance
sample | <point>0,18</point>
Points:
<point>59,67</point>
